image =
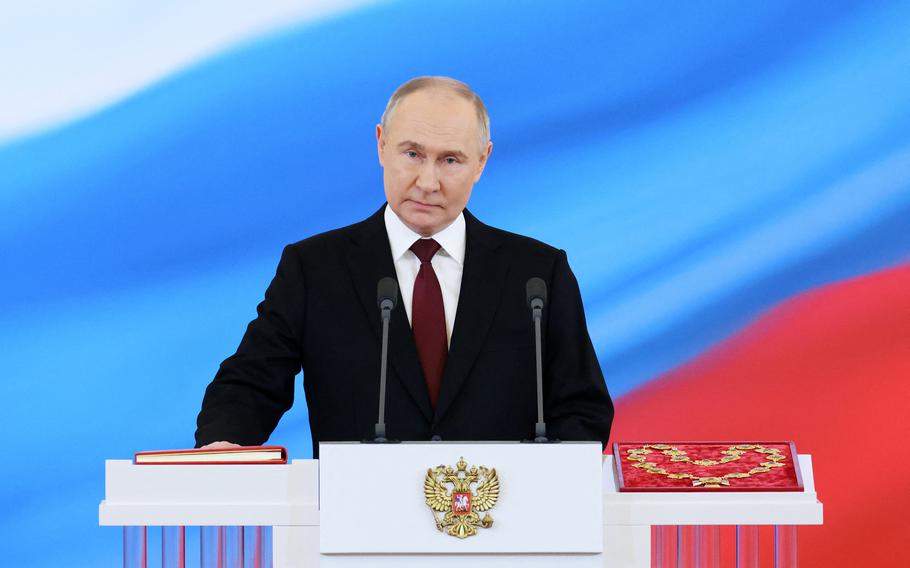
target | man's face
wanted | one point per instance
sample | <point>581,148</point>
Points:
<point>431,157</point>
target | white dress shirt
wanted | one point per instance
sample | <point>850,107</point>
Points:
<point>448,263</point>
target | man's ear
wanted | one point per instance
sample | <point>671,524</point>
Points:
<point>483,161</point>
<point>380,143</point>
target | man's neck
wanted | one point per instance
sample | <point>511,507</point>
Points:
<point>401,235</point>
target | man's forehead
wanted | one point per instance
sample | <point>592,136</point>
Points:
<point>425,129</point>
<point>444,112</point>
<point>435,99</point>
<point>434,128</point>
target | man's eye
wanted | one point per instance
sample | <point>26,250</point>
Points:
<point>411,154</point>
<point>451,160</point>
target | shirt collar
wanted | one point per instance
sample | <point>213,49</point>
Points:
<point>401,237</point>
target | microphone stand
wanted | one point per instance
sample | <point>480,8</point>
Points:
<point>386,311</point>
<point>540,429</point>
<point>537,296</point>
<point>386,297</point>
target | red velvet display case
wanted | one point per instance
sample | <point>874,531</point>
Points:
<point>707,466</point>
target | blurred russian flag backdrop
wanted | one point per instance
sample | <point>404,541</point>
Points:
<point>731,182</point>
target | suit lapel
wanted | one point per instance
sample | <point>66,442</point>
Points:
<point>369,260</point>
<point>481,289</point>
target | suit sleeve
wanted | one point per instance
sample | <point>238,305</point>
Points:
<point>254,387</point>
<point>578,405</point>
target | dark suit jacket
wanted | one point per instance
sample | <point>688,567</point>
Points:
<point>320,314</point>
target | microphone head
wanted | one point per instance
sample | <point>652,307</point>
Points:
<point>387,293</point>
<point>536,289</point>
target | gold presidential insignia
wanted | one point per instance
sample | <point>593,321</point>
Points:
<point>773,456</point>
<point>448,491</point>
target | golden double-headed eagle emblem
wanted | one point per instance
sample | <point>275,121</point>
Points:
<point>460,505</point>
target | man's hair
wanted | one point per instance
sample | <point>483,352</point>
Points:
<point>443,83</point>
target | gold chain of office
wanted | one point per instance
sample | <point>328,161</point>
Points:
<point>774,459</point>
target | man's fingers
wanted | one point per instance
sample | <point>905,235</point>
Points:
<point>220,445</point>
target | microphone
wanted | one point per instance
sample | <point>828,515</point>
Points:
<point>536,290</point>
<point>386,299</point>
<point>387,294</point>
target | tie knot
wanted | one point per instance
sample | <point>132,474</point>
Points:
<point>425,249</point>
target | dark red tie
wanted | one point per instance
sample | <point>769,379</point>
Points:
<point>428,318</point>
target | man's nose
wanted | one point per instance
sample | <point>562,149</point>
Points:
<point>428,177</point>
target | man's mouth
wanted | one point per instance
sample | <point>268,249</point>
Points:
<point>422,205</point>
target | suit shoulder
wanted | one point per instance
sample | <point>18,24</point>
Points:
<point>327,251</point>
<point>327,241</point>
<point>523,244</point>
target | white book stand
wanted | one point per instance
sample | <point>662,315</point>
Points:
<point>365,505</point>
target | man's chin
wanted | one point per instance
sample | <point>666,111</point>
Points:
<point>422,223</point>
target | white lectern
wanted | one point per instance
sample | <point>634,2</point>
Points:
<point>366,505</point>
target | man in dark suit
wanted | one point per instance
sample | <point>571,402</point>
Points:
<point>461,347</point>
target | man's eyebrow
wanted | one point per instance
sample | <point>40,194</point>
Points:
<point>410,144</point>
<point>416,146</point>
<point>457,153</point>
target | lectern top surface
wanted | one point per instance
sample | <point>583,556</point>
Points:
<point>463,442</point>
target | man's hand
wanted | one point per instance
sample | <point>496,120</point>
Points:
<point>220,445</point>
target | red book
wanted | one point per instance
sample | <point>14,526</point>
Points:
<point>241,455</point>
